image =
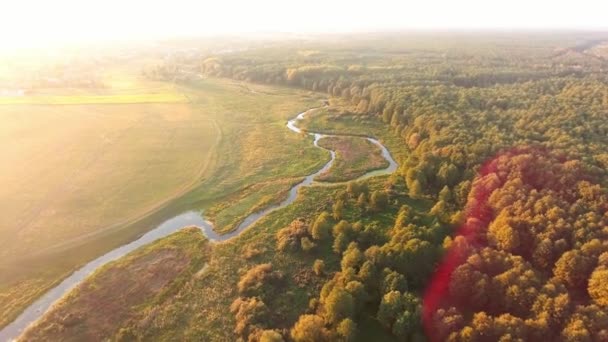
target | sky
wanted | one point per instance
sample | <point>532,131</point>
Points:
<point>26,23</point>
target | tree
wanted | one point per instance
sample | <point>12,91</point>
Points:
<point>445,194</point>
<point>415,189</point>
<point>321,227</point>
<point>319,267</point>
<point>338,210</point>
<point>289,237</point>
<point>362,201</point>
<point>404,216</point>
<point>271,336</point>
<point>340,243</point>
<point>353,189</point>
<point>393,281</point>
<point>347,329</point>
<point>360,295</point>
<point>378,200</point>
<point>251,282</point>
<point>250,314</point>
<point>352,257</point>
<point>339,305</point>
<point>448,174</point>
<point>598,286</point>
<point>390,307</point>
<point>310,328</point>
<point>502,235</point>
<point>573,269</point>
<point>439,210</point>
<point>576,331</point>
<point>307,245</point>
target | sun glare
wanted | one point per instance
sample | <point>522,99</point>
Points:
<point>42,23</point>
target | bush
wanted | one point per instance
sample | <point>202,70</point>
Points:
<point>319,267</point>
<point>289,237</point>
<point>250,314</point>
<point>251,283</point>
<point>307,245</point>
<point>310,328</point>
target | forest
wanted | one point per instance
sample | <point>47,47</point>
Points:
<point>508,143</point>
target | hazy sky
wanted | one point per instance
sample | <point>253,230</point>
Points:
<point>34,22</point>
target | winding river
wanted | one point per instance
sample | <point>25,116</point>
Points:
<point>190,218</point>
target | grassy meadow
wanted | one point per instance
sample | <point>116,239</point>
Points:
<point>82,178</point>
<point>355,156</point>
<point>340,118</point>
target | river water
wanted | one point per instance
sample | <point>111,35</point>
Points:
<point>187,219</point>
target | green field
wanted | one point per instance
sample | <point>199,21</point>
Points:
<point>81,179</point>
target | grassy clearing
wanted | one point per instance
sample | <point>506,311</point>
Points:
<point>83,179</point>
<point>355,157</point>
<point>338,119</point>
<point>227,214</point>
<point>116,293</point>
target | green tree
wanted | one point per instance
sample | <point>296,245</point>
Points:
<point>321,227</point>
<point>378,200</point>
<point>448,174</point>
<point>362,201</point>
<point>445,194</point>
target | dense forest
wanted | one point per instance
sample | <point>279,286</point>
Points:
<point>509,141</point>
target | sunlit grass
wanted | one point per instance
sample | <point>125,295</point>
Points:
<point>94,99</point>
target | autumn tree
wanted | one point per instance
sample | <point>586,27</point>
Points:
<point>310,328</point>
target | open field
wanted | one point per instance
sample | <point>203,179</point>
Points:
<point>93,99</point>
<point>116,293</point>
<point>354,157</point>
<point>74,169</point>
<point>83,179</point>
